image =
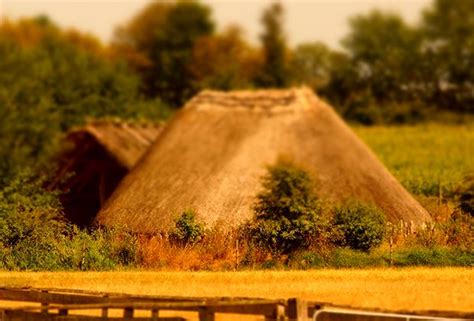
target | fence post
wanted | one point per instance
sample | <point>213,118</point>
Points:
<point>63,312</point>
<point>44,305</point>
<point>105,311</point>
<point>297,310</point>
<point>128,313</point>
<point>205,314</point>
<point>154,314</point>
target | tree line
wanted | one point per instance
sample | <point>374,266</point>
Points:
<point>387,70</point>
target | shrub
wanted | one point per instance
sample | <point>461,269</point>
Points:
<point>30,224</point>
<point>188,230</point>
<point>287,213</point>
<point>34,235</point>
<point>466,196</point>
<point>101,249</point>
<point>361,226</point>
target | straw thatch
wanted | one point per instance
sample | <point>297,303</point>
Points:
<point>213,153</point>
<point>97,157</point>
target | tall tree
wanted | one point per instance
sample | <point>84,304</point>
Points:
<point>311,65</point>
<point>50,81</point>
<point>449,29</point>
<point>224,61</point>
<point>159,41</point>
<point>275,67</point>
<point>134,40</point>
<point>384,50</point>
<point>172,49</point>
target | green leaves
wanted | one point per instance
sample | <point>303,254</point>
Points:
<point>274,72</point>
<point>362,226</point>
<point>287,213</point>
<point>188,230</point>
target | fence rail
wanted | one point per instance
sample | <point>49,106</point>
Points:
<point>67,305</point>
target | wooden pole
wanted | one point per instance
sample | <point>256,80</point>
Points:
<point>128,313</point>
<point>44,305</point>
<point>205,314</point>
<point>154,314</point>
<point>297,310</point>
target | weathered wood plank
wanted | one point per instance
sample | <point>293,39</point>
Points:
<point>15,315</point>
<point>47,297</point>
<point>243,307</point>
<point>18,294</point>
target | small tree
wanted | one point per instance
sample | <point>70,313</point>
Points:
<point>287,211</point>
<point>361,226</point>
<point>188,230</point>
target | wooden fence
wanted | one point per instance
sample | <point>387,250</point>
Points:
<point>70,305</point>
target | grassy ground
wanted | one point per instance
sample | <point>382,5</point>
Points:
<point>424,156</point>
<point>411,289</point>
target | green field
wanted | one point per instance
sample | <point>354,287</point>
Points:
<point>424,157</point>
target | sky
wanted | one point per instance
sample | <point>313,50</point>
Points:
<point>306,20</point>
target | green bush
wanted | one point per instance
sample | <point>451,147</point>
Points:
<point>30,224</point>
<point>361,226</point>
<point>101,249</point>
<point>188,230</point>
<point>35,236</point>
<point>287,214</point>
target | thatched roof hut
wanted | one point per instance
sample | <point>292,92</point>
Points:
<point>211,156</point>
<point>96,157</point>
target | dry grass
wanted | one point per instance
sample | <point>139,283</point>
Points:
<point>412,289</point>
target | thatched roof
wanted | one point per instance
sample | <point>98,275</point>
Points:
<point>95,158</point>
<point>125,142</point>
<point>211,156</point>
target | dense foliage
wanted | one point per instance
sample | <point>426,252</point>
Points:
<point>361,226</point>
<point>287,213</point>
<point>389,71</point>
<point>53,82</point>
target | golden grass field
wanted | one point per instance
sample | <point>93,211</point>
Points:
<point>392,289</point>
